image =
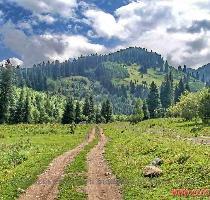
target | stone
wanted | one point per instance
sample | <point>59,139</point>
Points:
<point>152,171</point>
<point>157,162</point>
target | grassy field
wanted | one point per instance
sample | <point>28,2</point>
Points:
<point>157,77</point>
<point>131,148</point>
<point>26,150</point>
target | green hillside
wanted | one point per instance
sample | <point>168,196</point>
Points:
<point>123,77</point>
<point>154,75</point>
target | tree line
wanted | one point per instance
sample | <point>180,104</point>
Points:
<point>88,112</point>
<point>24,105</point>
<point>158,101</point>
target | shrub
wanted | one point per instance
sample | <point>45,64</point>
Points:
<point>189,106</point>
<point>204,109</point>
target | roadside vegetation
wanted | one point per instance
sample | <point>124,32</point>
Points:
<point>27,150</point>
<point>132,147</point>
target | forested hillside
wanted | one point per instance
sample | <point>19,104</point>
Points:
<point>202,73</point>
<point>123,77</point>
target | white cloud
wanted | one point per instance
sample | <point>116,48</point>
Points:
<point>145,23</point>
<point>104,24</point>
<point>46,18</point>
<point>24,25</point>
<point>14,61</point>
<point>64,8</point>
<point>37,48</point>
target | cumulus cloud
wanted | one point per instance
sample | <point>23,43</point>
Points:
<point>64,8</point>
<point>171,28</point>
<point>38,48</point>
<point>179,31</point>
<point>129,21</point>
<point>48,19</point>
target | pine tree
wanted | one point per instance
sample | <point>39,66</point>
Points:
<point>6,84</point>
<point>179,91</point>
<point>166,93</point>
<point>69,113</point>
<point>98,116</point>
<point>153,99</point>
<point>185,69</point>
<point>91,116</point>
<point>86,107</point>
<point>78,117</point>
<point>106,111</point>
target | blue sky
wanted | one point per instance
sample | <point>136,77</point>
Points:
<point>32,31</point>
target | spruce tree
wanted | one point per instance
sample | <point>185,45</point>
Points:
<point>86,107</point>
<point>166,93</point>
<point>91,116</point>
<point>153,99</point>
<point>106,111</point>
<point>180,88</point>
<point>6,84</point>
<point>185,69</point>
<point>69,114</point>
<point>98,116</point>
<point>78,117</point>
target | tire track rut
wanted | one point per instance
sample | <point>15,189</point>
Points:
<point>101,184</point>
<point>46,187</point>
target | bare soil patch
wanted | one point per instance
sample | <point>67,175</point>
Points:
<point>101,183</point>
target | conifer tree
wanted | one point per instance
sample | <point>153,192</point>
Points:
<point>106,111</point>
<point>98,116</point>
<point>166,93</point>
<point>69,113</point>
<point>6,82</point>
<point>78,117</point>
<point>153,99</point>
<point>86,107</point>
<point>91,116</point>
<point>185,69</point>
<point>179,90</point>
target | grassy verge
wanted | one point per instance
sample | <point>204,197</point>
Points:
<point>27,150</point>
<point>131,148</point>
<point>72,186</point>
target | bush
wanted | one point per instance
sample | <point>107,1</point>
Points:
<point>189,106</point>
<point>204,109</point>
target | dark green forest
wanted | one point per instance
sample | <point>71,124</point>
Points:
<point>94,89</point>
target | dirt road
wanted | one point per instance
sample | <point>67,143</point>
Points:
<point>101,183</point>
<point>46,187</point>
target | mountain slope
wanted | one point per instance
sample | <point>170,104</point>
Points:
<point>122,76</point>
<point>202,73</point>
